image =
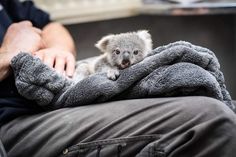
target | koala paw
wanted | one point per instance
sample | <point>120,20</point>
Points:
<point>113,74</point>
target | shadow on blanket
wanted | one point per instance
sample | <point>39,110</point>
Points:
<point>177,69</point>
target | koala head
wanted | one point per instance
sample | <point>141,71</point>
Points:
<point>125,49</point>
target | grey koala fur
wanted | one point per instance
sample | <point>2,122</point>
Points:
<point>119,52</point>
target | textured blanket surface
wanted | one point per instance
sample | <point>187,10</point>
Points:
<point>176,69</point>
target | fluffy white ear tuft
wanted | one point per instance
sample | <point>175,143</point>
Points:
<point>102,43</point>
<point>146,37</point>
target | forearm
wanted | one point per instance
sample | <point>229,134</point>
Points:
<point>4,66</point>
<point>55,35</point>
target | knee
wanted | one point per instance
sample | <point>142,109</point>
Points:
<point>206,108</point>
<point>217,116</point>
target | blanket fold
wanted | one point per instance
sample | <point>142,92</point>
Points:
<point>176,69</point>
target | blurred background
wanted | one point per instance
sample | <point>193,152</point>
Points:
<point>208,23</point>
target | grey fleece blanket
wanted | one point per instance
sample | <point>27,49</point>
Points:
<point>177,69</point>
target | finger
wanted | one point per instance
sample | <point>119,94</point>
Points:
<point>26,23</point>
<point>60,65</point>
<point>70,66</point>
<point>39,55</point>
<point>37,30</point>
<point>42,44</point>
<point>49,60</point>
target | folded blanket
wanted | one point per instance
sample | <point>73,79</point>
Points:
<point>177,69</point>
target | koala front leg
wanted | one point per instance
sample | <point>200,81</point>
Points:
<point>102,65</point>
<point>113,73</point>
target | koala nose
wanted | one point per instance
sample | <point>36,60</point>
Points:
<point>126,58</point>
<point>126,55</point>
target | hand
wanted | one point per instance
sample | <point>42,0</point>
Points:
<point>61,60</point>
<point>20,37</point>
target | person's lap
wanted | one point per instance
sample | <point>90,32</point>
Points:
<point>121,127</point>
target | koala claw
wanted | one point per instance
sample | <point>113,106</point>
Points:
<point>113,74</point>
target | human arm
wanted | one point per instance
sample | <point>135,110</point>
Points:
<point>20,37</point>
<point>59,44</point>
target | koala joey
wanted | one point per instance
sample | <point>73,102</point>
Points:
<point>119,52</point>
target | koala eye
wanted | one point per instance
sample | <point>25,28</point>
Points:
<point>136,52</point>
<point>116,51</point>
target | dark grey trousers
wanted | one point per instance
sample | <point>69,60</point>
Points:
<point>173,127</point>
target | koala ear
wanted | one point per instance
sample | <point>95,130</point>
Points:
<point>146,37</point>
<point>102,43</point>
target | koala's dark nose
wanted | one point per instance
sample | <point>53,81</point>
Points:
<point>126,57</point>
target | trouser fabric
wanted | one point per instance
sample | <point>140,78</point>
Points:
<point>2,150</point>
<point>154,127</point>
